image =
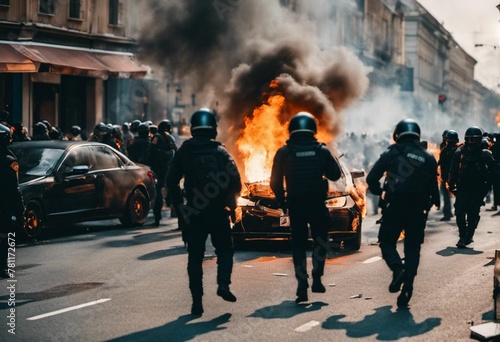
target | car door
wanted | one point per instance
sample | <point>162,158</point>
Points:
<point>110,179</point>
<point>75,188</point>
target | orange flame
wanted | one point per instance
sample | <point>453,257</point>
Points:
<point>263,135</point>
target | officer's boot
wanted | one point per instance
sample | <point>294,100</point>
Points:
<point>470,235</point>
<point>398,277</point>
<point>406,293</point>
<point>225,293</point>
<point>317,285</point>
<point>301,293</point>
<point>197,307</point>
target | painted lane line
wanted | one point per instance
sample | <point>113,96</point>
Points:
<point>76,307</point>
<point>307,326</point>
<point>374,259</point>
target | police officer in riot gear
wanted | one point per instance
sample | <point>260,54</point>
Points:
<point>162,150</point>
<point>40,132</point>
<point>138,147</point>
<point>444,163</point>
<point>410,190</point>
<point>470,177</point>
<point>305,165</point>
<point>11,201</point>
<point>211,183</point>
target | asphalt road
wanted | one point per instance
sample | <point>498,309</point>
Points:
<point>98,281</point>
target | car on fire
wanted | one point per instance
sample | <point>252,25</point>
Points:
<point>258,216</point>
<point>76,181</point>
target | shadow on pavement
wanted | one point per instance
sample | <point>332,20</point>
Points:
<point>398,325</point>
<point>449,251</point>
<point>179,330</point>
<point>287,309</point>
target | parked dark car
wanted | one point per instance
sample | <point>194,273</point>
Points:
<point>77,181</point>
<point>258,216</point>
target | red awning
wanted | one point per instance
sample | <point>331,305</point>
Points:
<point>13,61</point>
<point>87,63</point>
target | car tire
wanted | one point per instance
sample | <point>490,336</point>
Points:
<point>33,220</point>
<point>355,242</point>
<point>136,209</point>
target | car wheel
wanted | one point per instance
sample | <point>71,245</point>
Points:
<point>355,242</point>
<point>33,221</point>
<point>136,209</point>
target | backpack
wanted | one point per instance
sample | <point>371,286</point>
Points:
<point>473,172</point>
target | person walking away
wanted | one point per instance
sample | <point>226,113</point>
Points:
<point>11,200</point>
<point>138,147</point>
<point>410,190</point>
<point>212,184</point>
<point>472,169</point>
<point>444,163</point>
<point>305,164</point>
<point>162,150</point>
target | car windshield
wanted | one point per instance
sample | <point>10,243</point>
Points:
<point>37,161</point>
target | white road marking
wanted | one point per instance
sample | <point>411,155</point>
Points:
<point>307,326</point>
<point>374,259</point>
<point>76,307</point>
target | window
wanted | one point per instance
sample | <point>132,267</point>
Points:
<point>74,9</point>
<point>47,6</point>
<point>114,12</point>
<point>105,159</point>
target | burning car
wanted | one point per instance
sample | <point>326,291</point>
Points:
<point>259,217</point>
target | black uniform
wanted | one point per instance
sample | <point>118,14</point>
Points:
<point>11,203</point>
<point>138,149</point>
<point>211,183</point>
<point>304,163</point>
<point>471,172</point>
<point>161,151</point>
<point>445,158</point>
<point>409,192</point>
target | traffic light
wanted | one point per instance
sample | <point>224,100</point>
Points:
<point>441,98</point>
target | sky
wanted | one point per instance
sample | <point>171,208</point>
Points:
<point>472,22</point>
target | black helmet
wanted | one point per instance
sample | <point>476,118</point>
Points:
<point>164,126</point>
<point>406,127</point>
<point>125,127</point>
<point>203,121</point>
<point>134,125</point>
<point>75,130</point>
<point>105,130</point>
<point>452,136</point>
<point>302,122</point>
<point>5,135</point>
<point>143,130</point>
<point>445,132</point>
<point>473,136</point>
<point>153,129</point>
<point>40,128</point>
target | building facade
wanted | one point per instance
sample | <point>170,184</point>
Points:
<point>67,61</point>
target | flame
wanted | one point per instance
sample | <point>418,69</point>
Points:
<point>265,132</point>
<point>262,136</point>
<point>497,119</point>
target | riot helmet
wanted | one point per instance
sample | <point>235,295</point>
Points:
<point>452,136</point>
<point>473,136</point>
<point>134,125</point>
<point>153,129</point>
<point>143,130</point>
<point>5,136</point>
<point>165,126</point>
<point>406,127</point>
<point>75,130</point>
<point>302,122</point>
<point>204,122</point>
<point>40,128</point>
<point>445,132</point>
